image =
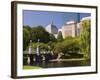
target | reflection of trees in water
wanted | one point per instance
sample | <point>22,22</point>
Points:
<point>86,62</point>
<point>55,64</point>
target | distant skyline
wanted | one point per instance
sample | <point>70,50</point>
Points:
<point>44,18</point>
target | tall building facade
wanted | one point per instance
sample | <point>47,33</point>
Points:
<point>51,28</point>
<point>69,29</point>
<point>73,28</point>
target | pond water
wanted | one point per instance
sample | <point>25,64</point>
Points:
<point>55,64</point>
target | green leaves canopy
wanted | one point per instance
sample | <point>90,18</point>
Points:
<point>39,33</point>
<point>59,37</point>
<point>85,37</point>
<point>26,36</point>
<point>69,45</point>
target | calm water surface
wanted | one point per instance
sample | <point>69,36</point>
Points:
<point>54,64</point>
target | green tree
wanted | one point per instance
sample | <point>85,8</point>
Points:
<point>68,46</point>
<point>42,46</point>
<point>58,48</point>
<point>72,45</point>
<point>26,36</point>
<point>85,37</point>
<point>40,33</point>
<point>27,27</point>
<point>52,38</point>
<point>59,37</point>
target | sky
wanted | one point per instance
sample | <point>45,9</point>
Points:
<point>34,18</point>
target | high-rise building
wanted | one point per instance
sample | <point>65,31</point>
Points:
<point>51,28</point>
<point>73,28</point>
<point>69,29</point>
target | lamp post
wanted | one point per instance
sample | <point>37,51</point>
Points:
<point>29,52</point>
<point>30,47</point>
<point>37,49</point>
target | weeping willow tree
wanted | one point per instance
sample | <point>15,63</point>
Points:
<point>85,38</point>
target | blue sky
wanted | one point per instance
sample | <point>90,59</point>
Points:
<point>43,18</point>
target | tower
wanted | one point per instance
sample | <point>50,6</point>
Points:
<point>51,28</point>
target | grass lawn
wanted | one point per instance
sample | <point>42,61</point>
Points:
<point>31,67</point>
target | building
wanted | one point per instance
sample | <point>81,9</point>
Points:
<point>79,28</point>
<point>79,25</point>
<point>51,28</point>
<point>73,28</point>
<point>69,29</point>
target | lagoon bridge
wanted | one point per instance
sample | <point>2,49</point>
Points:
<point>35,55</point>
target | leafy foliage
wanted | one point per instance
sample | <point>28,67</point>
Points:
<point>26,36</point>
<point>59,37</point>
<point>85,37</point>
<point>40,33</point>
<point>52,38</point>
<point>42,46</point>
<point>69,45</point>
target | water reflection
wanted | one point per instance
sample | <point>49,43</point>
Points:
<point>55,64</point>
